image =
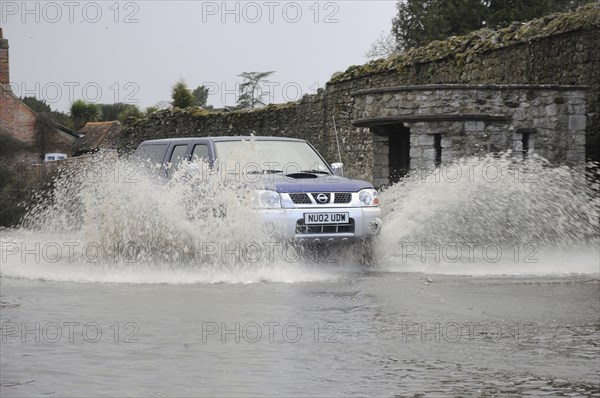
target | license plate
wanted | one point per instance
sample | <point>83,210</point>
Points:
<point>326,218</point>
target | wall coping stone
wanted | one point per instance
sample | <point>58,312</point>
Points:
<point>461,117</point>
<point>457,87</point>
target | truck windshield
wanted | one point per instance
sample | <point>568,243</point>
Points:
<point>287,157</point>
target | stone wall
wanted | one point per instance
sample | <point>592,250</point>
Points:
<point>303,119</point>
<point>445,122</point>
<point>554,50</point>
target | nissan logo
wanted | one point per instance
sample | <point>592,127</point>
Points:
<point>322,198</point>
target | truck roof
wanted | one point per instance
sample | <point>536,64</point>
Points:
<point>224,138</point>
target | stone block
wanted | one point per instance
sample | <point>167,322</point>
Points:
<point>562,122</point>
<point>576,156</point>
<point>446,142</point>
<point>415,153</point>
<point>536,111</point>
<point>578,95</point>
<point>577,122</point>
<point>576,109</point>
<point>552,110</point>
<point>426,139</point>
<point>474,126</point>
<point>579,139</point>
<point>447,156</point>
<point>428,154</point>
<point>517,146</point>
<point>428,164</point>
<point>545,122</point>
<point>409,105</point>
<point>519,115</point>
<point>404,112</point>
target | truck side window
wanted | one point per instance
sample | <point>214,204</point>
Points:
<point>200,153</point>
<point>177,157</point>
<point>151,154</point>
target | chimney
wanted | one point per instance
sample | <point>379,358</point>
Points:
<point>4,78</point>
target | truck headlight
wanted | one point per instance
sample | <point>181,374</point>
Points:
<point>368,197</point>
<point>269,199</point>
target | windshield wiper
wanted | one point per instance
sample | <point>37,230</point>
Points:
<point>315,171</point>
<point>265,172</point>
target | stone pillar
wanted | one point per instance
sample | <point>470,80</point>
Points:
<point>381,153</point>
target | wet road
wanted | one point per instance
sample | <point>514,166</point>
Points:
<point>354,333</point>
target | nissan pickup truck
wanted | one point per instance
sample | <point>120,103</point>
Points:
<point>299,195</point>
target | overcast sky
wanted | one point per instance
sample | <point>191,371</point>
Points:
<point>134,51</point>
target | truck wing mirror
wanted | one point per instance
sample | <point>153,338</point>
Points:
<point>338,169</point>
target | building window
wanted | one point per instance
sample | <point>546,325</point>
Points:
<point>526,141</point>
<point>437,145</point>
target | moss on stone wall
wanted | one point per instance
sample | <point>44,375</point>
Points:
<point>462,48</point>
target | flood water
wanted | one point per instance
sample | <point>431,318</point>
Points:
<point>477,288</point>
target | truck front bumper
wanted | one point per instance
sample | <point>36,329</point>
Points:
<point>364,223</point>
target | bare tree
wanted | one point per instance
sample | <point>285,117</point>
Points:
<point>384,46</point>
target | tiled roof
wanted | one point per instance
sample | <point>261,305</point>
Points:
<point>96,135</point>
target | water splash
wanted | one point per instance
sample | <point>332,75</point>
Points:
<point>106,220</point>
<point>491,215</point>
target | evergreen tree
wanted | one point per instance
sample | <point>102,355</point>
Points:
<point>419,22</point>
<point>181,95</point>
<point>36,105</point>
<point>200,96</point>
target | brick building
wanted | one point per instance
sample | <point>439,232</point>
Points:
<point>30,135</point>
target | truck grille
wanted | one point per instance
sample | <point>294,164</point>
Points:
<point>300,198</point>
<point>342,197</point>
<point>302,228</point>
<point>305,199</point>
